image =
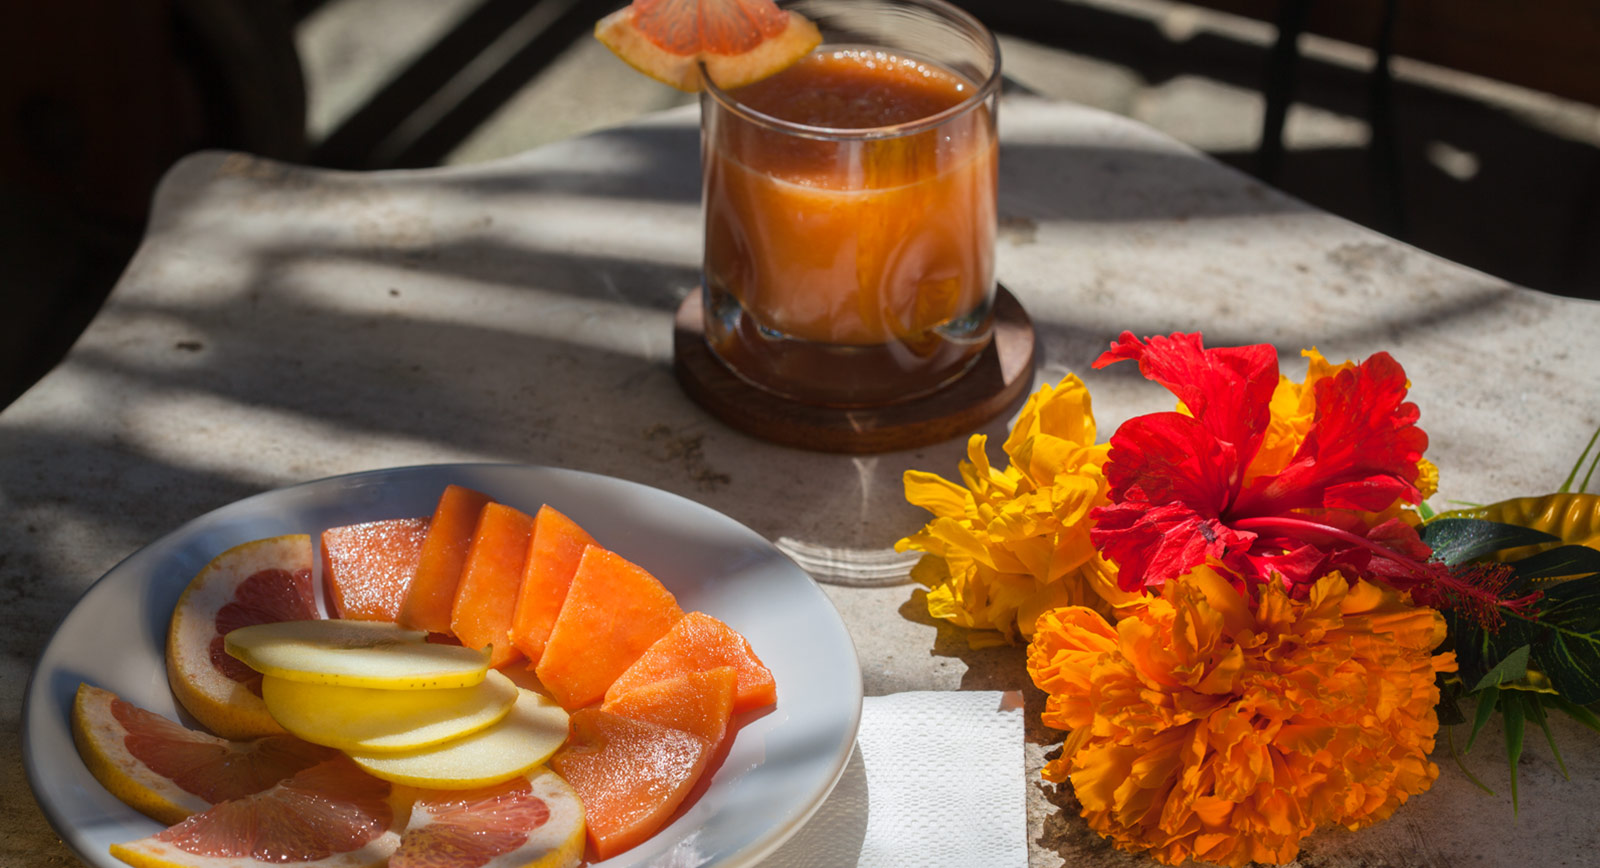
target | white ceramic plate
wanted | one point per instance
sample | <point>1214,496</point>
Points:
<point>778,770</point>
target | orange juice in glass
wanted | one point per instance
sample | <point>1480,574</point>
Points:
<point>850,207</point>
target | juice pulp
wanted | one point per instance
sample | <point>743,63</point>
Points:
<point>851,269</point>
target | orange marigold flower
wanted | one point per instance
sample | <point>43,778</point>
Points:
<point>1006,545</point>
<point>1205,727</point>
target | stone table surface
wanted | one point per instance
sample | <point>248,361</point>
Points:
<point>281,324</point>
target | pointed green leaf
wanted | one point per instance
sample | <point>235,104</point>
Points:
<point>1567,562</point>
<point>1459,540</point>
<point>1567,486</point>
<point>1426,511</point>
<point>1486,703</point>
<point>1536,713</point>
<point>1511,713</point>
<point>1513,667</point>
<point>1576,712</point>
<point>1450,737</point>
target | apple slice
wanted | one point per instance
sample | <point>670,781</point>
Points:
<point>526,737</point>
<point>372,720</point>
<point>355,654</point>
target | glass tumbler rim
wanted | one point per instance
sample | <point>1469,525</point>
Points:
<point>981,94</point>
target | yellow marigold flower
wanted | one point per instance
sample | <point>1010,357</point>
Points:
<point>1204,727</point>
<point>1006,545</point>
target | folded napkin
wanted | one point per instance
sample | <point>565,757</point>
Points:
<point>936,780</point>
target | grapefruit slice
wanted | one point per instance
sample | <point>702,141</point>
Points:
<point>372,719</point>
<point>331,815</point>
<point>167,771</point>
<point>630,774</point>
<point>697,642</point>
<point>355,654</point>
<point>532,820</point>
<point>738,41</point>
<point>368,567</point>
<point>253,583</point>
<point>526,737</point>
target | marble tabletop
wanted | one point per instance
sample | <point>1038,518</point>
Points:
<point>281,324</point>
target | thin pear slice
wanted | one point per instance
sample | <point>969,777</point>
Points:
<point>526,737</point>
<point>355,654</point>
<point>374,720</point>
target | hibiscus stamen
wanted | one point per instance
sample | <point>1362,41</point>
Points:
<point>1475,590</point>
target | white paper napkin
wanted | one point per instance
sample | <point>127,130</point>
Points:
<point>936,781</point>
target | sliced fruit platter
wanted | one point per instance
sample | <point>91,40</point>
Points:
<point>447,665</point>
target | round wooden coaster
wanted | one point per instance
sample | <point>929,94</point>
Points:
<point>996,383</point>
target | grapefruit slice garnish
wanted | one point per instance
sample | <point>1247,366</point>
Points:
<point>331,814</point>
<point>738,41</point>
<point>167,771</point>
<point>534,820</point>
<point>253,583</point>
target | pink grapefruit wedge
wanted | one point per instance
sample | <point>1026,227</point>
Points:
<point>167,771</point>
<point>331,815</point>
<point>254,583</point>
<point>737,41</point>
<point>530,821</point>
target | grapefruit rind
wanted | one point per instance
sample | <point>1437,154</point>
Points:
<point>445,822</point>
<point>525,738</point>
<point>224,706</point>
<point>618,32</point>
<point>356,654</point>
<point>371,719</point>
<point>99,738</point>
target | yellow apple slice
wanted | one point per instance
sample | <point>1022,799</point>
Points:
<point>355,654</point>
<point>373,720</point>
<point>525,738</point>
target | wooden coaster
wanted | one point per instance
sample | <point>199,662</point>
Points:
<point>997,382</point>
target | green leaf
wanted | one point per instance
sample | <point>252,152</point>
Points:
<point>1512,667</point>
<point>1576,712</point>
<point>1567,486</point>
<point>1486,703</point>
<point>1564,636</point>
<point>1450,737</point>
<point>1536,712</point>
<point>1459,540</point>
<point>1511,713</point>
<point>1560,562</point>
<point>1426,511</point>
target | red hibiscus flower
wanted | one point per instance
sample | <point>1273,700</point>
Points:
<point>1184,493</point>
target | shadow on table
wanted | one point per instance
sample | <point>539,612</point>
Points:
<point>833,837</point>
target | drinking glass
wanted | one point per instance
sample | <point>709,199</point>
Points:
<point>850,207</point>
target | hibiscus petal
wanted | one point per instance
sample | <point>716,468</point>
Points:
<point>1228,389</point>
<point>1362,450</point>
<point>1151,544</point>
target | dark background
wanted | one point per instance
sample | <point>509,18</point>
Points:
<point>99,97</point>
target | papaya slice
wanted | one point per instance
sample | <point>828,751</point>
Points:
<point>367,568</point>
<point>699,703</point>
<point>614,610</point>
<point>490,579</point>
<point>432,595</point>
<point>553,554</point>
<point>630,775</point>
<point>699,642</point>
